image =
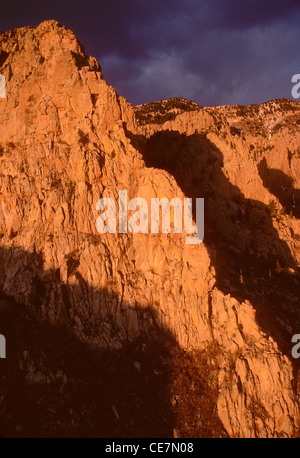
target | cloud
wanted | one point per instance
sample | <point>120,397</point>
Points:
<point>216,52</point>
<point>161,76</point>
<point>212,64</point>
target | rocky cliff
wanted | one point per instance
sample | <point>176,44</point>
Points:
<point>229,305</point>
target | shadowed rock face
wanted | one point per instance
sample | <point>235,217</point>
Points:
<point>281,186</point>
<point>220,314</point>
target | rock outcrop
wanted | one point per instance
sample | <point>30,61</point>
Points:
<point>68,139</point>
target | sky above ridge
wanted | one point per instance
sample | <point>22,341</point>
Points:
<point>214,52</point>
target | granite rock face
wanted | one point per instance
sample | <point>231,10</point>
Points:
<point>68,139</point>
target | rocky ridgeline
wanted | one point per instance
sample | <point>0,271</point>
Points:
<point>68,139</point>
<point>163,110</point>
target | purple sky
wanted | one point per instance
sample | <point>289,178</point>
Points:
<point>212,51</point>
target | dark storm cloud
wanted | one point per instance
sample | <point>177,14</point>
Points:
<point>211,51</point>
